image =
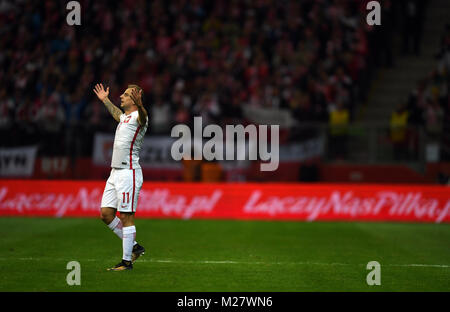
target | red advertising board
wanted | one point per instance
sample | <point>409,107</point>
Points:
<point>307,202</point>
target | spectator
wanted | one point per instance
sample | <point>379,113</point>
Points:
<point>417,102</point>
<point>203,58</point>
<point>50,119</point>
<point>398,131</point>
<point>413,24</point>
<point>160,117</point>
<point>433,118</point>
<point>339,121</point>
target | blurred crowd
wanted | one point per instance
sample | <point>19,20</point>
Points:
<point>428,105</point>
<point>192,58</point>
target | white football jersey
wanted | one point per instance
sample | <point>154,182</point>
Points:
<point>128,142</point>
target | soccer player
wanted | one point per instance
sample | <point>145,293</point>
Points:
<point>125,180</point>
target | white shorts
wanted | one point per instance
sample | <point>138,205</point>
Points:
<point>122,189</point>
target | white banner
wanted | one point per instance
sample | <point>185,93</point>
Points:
<point>17,161</point>
<point>155,151</point>
<point>300,151</point>
<point>269,116</point>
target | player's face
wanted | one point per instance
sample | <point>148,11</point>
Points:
<point>125,99</point>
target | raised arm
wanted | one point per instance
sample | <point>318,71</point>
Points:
<point>103,96</point>
<point>137,99</point>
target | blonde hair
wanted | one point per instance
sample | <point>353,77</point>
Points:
<point>134,87</point>
<point>139,89</point>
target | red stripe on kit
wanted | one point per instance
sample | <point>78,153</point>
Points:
<point>132,197</point>
<point>131,147</point>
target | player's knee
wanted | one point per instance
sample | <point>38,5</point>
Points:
<point>106,216</point>
<point>123,217</point>
<point>126,218</point>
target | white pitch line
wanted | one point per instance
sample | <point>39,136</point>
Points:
<point>289,263</point>
<point>235,262</point>
<point>420,265</point>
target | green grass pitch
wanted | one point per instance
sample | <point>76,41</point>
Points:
<point>207,255</point>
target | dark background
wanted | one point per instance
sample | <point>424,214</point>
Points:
<point>215,59</point>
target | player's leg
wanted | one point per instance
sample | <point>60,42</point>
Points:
<point>138,250</point>
<point>108,216</point>
<point>125,192</point>
<point>128,237</point>
<point>109,203</point>
<point>109,206</point>
<point>129,229</point>
<point>129,234</point>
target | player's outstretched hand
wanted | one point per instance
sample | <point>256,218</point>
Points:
<point>136,97</point>
<point>100,92</point>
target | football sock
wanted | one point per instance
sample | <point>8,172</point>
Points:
<point>116,226</point>
<point>129,235</point>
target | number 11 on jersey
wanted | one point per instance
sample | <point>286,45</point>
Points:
<point>128,197</point>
